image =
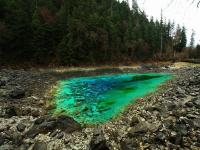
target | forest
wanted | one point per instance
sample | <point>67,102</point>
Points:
<point>84,32</point>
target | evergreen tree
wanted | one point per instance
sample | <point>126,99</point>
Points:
<point>183,38</point>
<point>192,40</point>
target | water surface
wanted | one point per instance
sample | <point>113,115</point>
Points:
<point>94,100</point>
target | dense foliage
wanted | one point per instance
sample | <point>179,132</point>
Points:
<point>82,32</point>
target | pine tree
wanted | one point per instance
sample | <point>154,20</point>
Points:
<point>183,38</point>
<point>192,40</point>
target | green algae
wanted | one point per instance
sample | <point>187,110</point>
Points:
<point>98,99</point>
<point>144,77</point>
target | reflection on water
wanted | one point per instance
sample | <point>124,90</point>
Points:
<point>97,99</point>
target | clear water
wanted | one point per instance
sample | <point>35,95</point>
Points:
<point>94,100</point>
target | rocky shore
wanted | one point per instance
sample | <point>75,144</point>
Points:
<point>167,119</point>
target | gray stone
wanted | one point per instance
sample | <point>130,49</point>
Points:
<point>21,127</point>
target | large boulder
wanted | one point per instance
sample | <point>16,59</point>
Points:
<point>49,124</point>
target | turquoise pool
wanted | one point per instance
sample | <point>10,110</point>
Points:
<point>98,99</point>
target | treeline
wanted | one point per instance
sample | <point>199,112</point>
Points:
<point>82,32</point>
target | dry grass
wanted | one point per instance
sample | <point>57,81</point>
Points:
<point>179,65</point>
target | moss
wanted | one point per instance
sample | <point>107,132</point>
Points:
<point>128,89</point>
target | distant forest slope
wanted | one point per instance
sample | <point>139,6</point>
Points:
<point>76,32</point>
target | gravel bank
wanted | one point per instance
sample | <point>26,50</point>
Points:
<point>168,119</point>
